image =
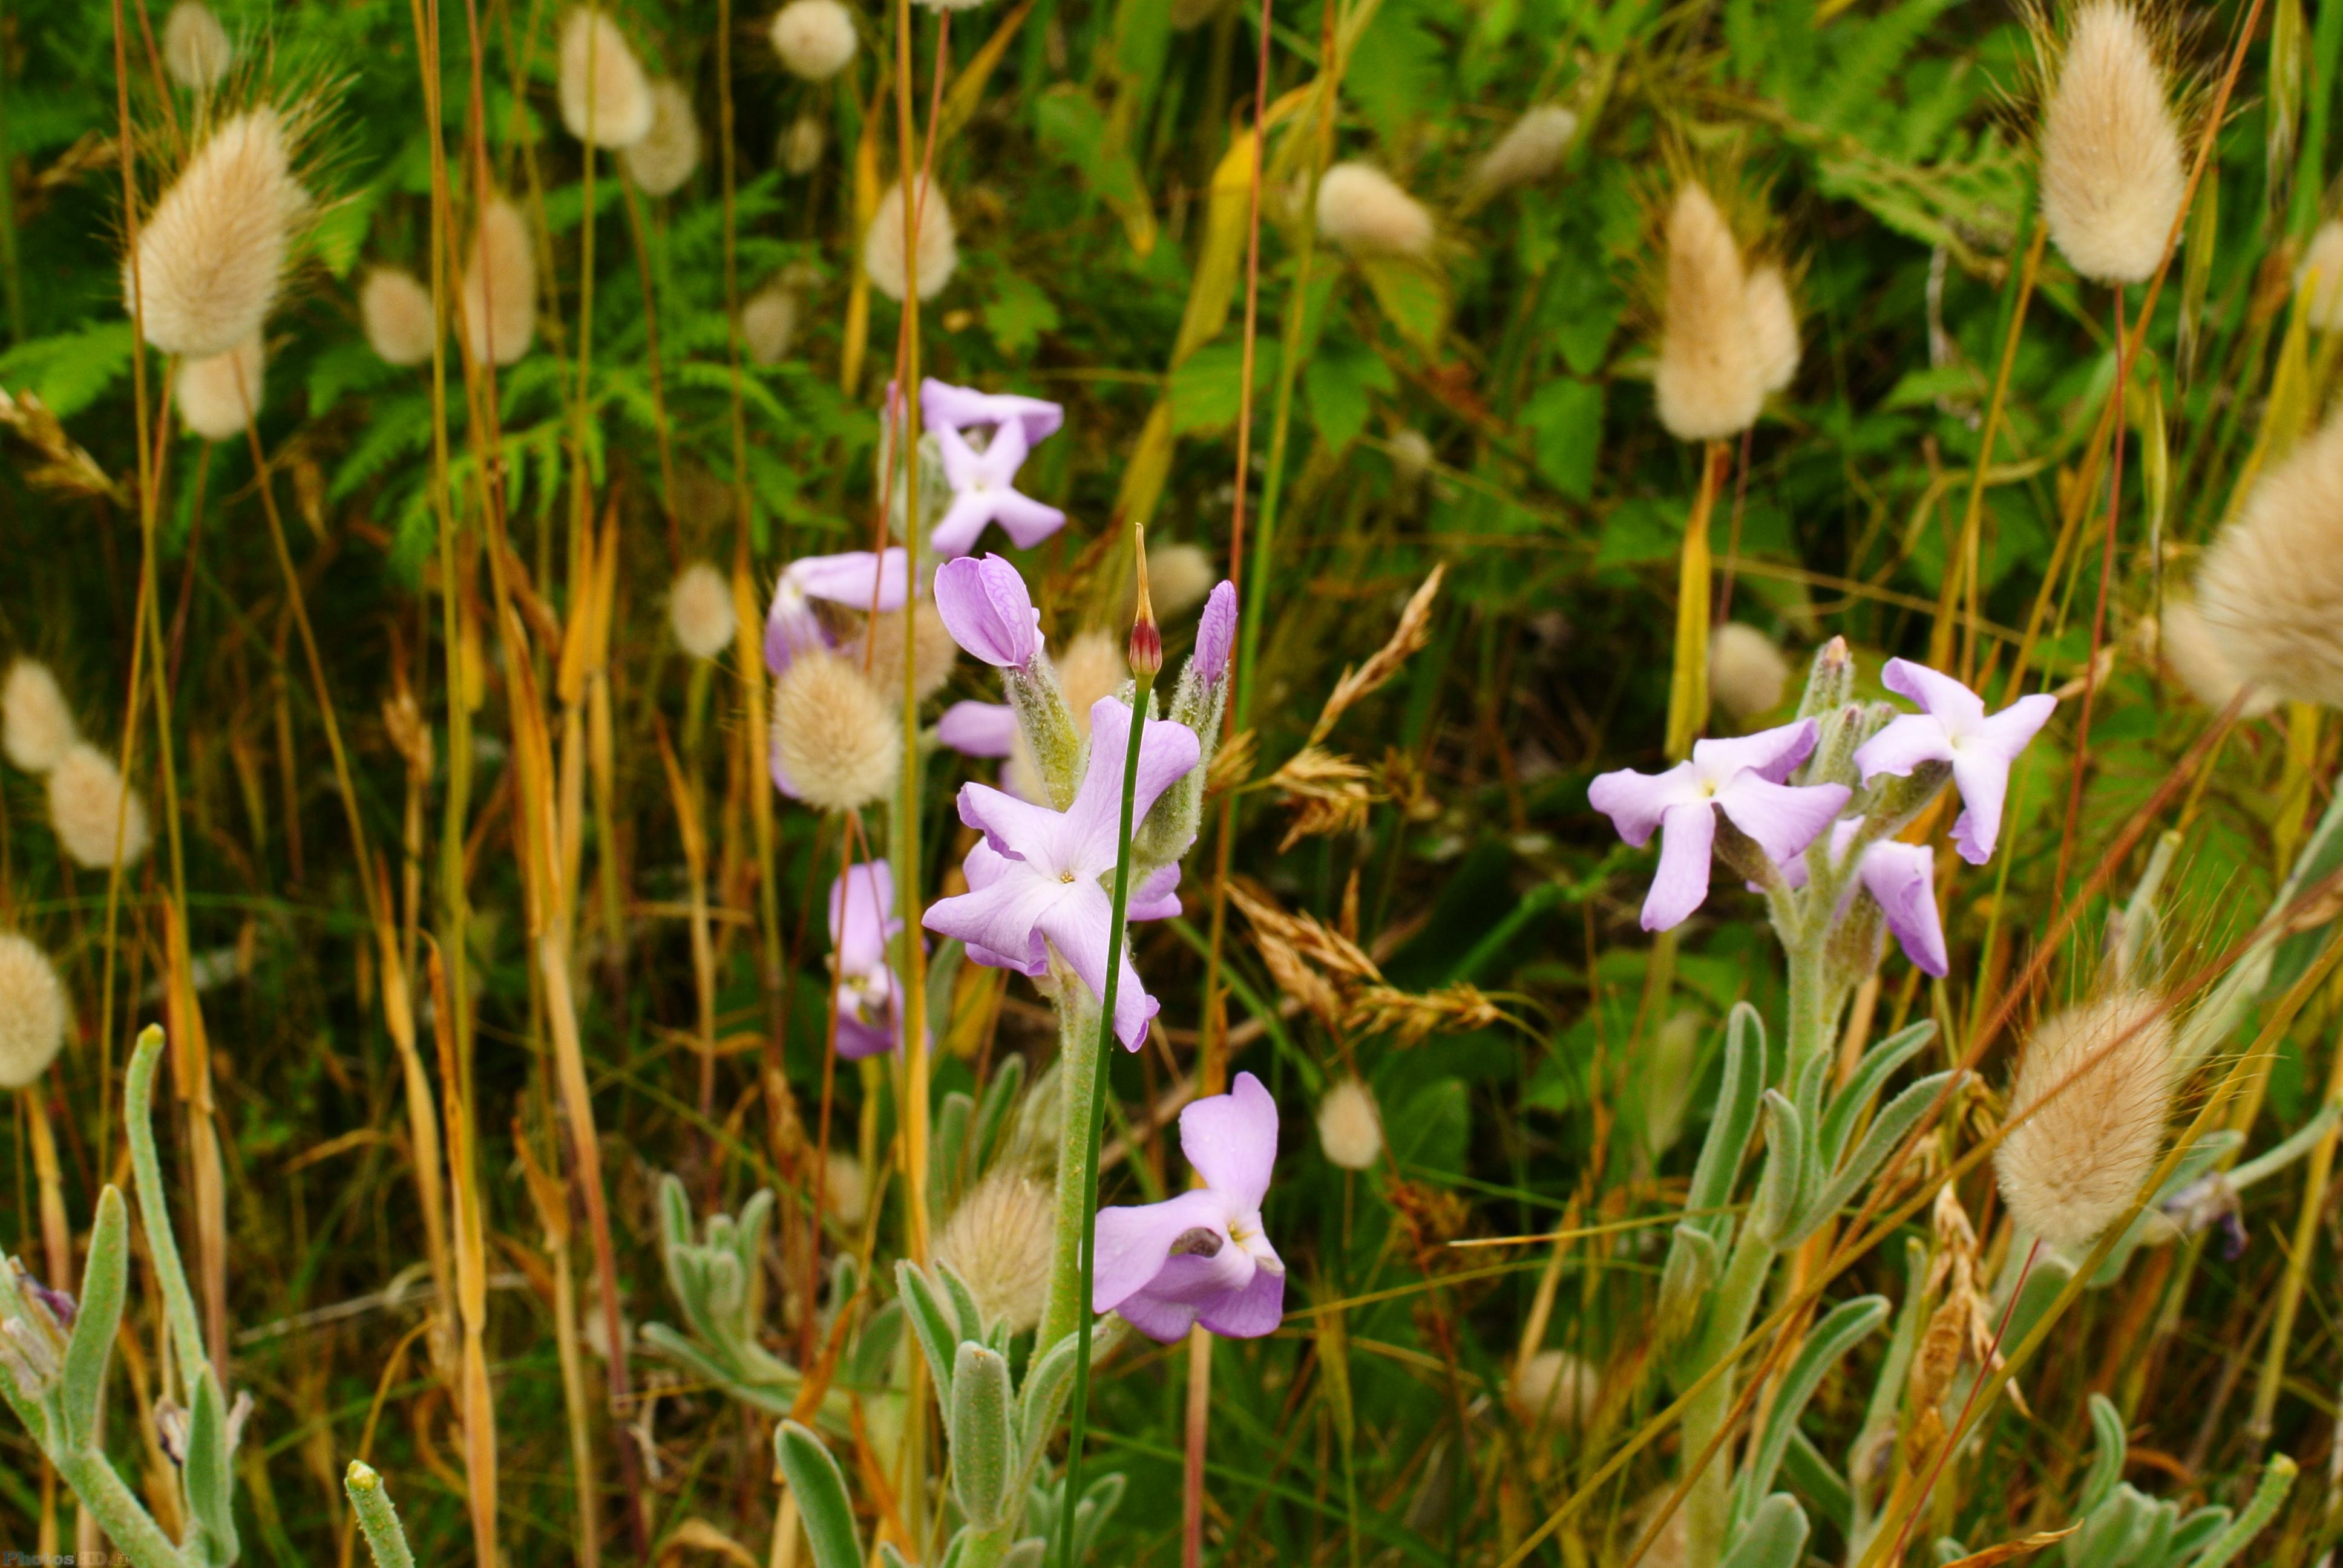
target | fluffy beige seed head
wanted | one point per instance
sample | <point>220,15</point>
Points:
<point>212,253</point>
<point>220,394</point>
<point>882,246</point>
<point>664,159</point>
<point>846,1190</point>
<point>835,738</point>
<point>2112,176</point>
<point>1363,210</point>
<point>2188,647</point>
<point>606,99</point>
<point>1178,578</point>
<point>1710,380</point>
<point>814,38</point>
<point>2271,586</point>
<point>2321,274</point>
<point>1553,1389</point>
<point>36,723</point>
<point>1746,673</point>
<point>1410,457</point>
<point>933,652</point>
<point>2101,1074</point>
<point>802,145</point>
<point>1350,1127</point>
<point>1773,324</point>
<point>1530,151</point>
<point>399,321</point>
<point>195,47</point>
<point>998,1241</point>
<point>32,1011</point>
<point>769,323</point>
<point>88,802</point>
<point>700,608</point>
<point>497,301</point>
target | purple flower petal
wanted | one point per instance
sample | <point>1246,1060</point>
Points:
<point>986,608</point>
<point>1782,818</point>
<point>860,903</point>
<point>851,578</point>
<point>1232,1140</point>
<point>1772,754</point>
<point>1166,752</point>
<point>1026,520</point>
<point>1938,694</point>
<point>1687,834</point>
<point>1216,634</point>
<point>1908,740</point>
<point>1002,919</point>
<point>1637,803</point>
<point>959,407</point>
<point>1248,1313</point>
<point>1902,878</point>
<point>1984,783</point>
<point>1133,1243</point>
<point>984,866</point>
<point>1157,897</point>
<point>979,729</point>
<point>1078,923</point>
<point>984,491</point>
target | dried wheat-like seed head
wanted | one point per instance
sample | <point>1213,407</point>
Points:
<point>36,723</point>
<point>2097,1079</point>
<point>2190,647</point>
<point>1000,1241</point>
<point>1364,211</point>
<point>400,324</point>
<point>606,99</point>
<point>211,254</point>
<point>769,323</point>
<point>2321,275</point>
<point>88,802</point>
<point>668,155</point>
<point>2270,588</point>
<point>1529,151</point>
<point>195,47</point>
<point>1747,674</point>
<point>1350,1127</point>
<point>33,1011</point>
<point>1711,377</point>
<point>700,608</point>
<point>1773,324</point>
<point>2113,178</point>
<point>497,300</point>
<point>814,38</point>
<point>882,245</point>
<point>835,737</point>
<point>220,394</point>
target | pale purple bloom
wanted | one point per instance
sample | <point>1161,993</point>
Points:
<point>979,729</point>
<point>988,610</point>
<point>1952,727</point>
<point>1157,897</point>
<point>1744,778</point>
<point>984,491</point>
<point>857,580</point>
<point>1901,879</point>
<point>870,998</point>
<point>945,406</point>
<point>1216,634</point>
<point>1201,1258</point>
<point>1049,888</point>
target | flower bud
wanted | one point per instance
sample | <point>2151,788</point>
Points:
<point>1830,680</point>
<point>1146,654</point>
<point>988,610</point>
<point>1216,635</point>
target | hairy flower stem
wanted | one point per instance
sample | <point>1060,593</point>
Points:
<point>1087,1094</point>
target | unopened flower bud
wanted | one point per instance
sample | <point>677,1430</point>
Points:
<point>1830,681</point>
<point>988,610</point>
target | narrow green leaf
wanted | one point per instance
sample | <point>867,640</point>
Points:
<point>820,1490</point>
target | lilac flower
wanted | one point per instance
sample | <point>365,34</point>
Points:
<point>853,579</point>
<point>870,998</point>
<point>979,729</point>
<point>1952,727</point>
<point>946,406</point>
<point>1901,879</point>
<point>988,611</point>
<point>1744,778</point>
<point>1156,898</point>
<point>984,491</point>
<point>1201,1258</point>
<point>1049,888</point>
<point>1216,634</point>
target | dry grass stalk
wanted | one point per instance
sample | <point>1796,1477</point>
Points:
<point>1414,630</point>
<point>1328,794</point>
<point>64,469</point>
